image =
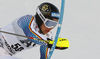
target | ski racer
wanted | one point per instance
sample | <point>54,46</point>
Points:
<point>38,26</point>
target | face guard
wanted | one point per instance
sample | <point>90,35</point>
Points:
<point>48,23</point>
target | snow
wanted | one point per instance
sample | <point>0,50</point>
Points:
<point>80,26</point>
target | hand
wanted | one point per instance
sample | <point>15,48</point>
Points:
<point>50,43</point>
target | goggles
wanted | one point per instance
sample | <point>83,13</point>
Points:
<point>48,23</point>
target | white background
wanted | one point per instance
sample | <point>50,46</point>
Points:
<point>80,26</point>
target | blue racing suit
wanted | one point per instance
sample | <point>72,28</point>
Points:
<point>26,26</point>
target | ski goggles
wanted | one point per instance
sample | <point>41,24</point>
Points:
<point>48,22</point>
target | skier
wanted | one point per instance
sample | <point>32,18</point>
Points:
<point>37,27</point>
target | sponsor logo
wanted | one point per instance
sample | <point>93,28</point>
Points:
<point>55,15</point>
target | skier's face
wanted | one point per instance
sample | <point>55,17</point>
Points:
<point>44,29</point>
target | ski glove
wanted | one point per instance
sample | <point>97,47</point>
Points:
<point>62,43</point>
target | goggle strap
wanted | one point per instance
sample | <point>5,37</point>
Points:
<point>40,14</point>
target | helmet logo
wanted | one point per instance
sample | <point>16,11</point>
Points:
<point>45,8</point>
<point>55,15</point>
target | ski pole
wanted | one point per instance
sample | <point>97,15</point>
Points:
<point>22,36</point>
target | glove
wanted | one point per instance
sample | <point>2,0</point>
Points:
<point>50,43</point>
<point>62,43</point>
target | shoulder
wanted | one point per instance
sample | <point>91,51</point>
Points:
<point>25,19</point>
<point>28,17</point>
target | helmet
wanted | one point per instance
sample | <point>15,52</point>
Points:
<point>46,12</point>
<point>47,9</point>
